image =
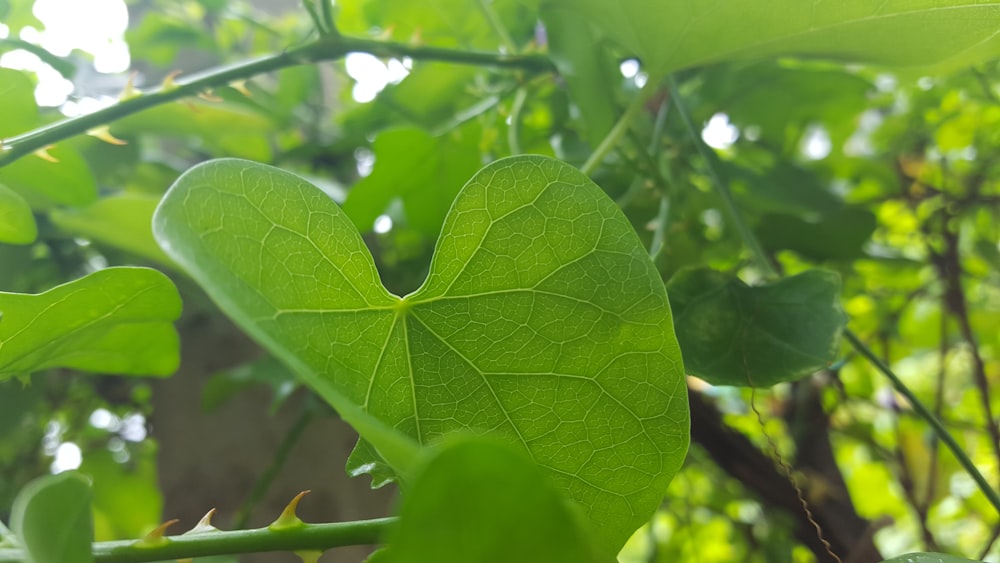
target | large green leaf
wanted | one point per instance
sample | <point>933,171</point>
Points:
<point>733,334</point>
<point>117,320</point>
<point>542,319</point>
<point>479,501</point>
<point>17,224</point>
<point>425,172</point>
<point>122,221</point>
<point>51,519</point>
<point>669,35</point>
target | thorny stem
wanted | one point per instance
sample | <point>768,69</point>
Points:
<point>330,47</point>
<point>307,537</point>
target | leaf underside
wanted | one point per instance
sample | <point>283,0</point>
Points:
<point>542,319</point>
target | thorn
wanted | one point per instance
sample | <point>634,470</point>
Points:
<point>416,38</point>
<point>209,96</point>
<point>288,518</point>
<point>168,80</point>
<point>104,133</point>
<point>241,87</point>
<point>204,525</point>
<point>309,556</point>
<point>43,153</point>
<point>386,34</point>
<point>129,91</point>
<point>156,537</point>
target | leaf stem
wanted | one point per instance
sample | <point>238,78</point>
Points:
<point>307,537</point>
<point>621,126</point>
<point>330,47</point>
<point>927,415</point>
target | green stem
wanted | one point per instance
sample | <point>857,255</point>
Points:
<point>494,20</point>
<point>728,202</point>
<point>63,66</point>
<point>323,49</point>
<point>277,462</point>
<point>927,415</point>
<point>307,537</point>
<point>514,130</point>
<point>621,126</point>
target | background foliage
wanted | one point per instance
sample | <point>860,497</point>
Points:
<point>856,152</point>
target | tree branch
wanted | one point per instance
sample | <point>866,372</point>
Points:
<point>735,454</point>
<point>325,48</point>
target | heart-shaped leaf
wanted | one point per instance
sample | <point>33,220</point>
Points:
<point>542,319</point>
<point>478,501</point>
<point>733,334</point>
<point>669,35</point>
<point>51,519</point>
<point>117,320</point>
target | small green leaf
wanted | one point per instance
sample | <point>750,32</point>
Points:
<point>425,172</point>
<point>479,501</point>
<point>669,35</point>
<point>17,98</point>
<point>17,224</point>
<point>733,334</point>
<point>122,221</point>
<point>117,320</point>
<point>52,521</point>
<point>127,499</point>
<point>44,183</point>
<point>542,320</point>
<point>928,558</point>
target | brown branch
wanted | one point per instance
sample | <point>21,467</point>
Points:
<point>734,453</point>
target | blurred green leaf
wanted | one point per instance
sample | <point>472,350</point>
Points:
<point>782,99</point>
<point>669,35</point>
<point>17,224</point>
<point>586,65</point>
<point>479,501</point>
<point>123,221</point>
<point>51,519</point>
<point>44,183</point>
<point>542,320</point>
<point>837,236</point>
<point>127,498</point>
<point>224,127</point>
<point>425,172</point>
<point>733,334</point>
<point>116,320</point>
<point>17,98</point>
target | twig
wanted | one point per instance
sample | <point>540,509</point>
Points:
<point>943,434</point>
<point>323,49</point>
<point>620,127</point>
<point>728,202</point>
